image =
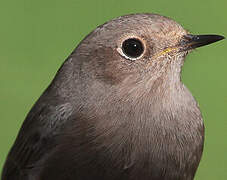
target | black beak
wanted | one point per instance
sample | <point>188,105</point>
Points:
<point>194,41</point>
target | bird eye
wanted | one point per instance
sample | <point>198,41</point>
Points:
<point>132,48</point>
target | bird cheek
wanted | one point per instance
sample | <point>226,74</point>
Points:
<point>112,77</point>
<point>112,71</point>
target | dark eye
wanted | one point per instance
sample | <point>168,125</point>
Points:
<point>132,48</point>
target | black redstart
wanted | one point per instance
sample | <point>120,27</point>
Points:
<point>116,109</point>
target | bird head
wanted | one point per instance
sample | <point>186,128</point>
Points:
<point>135,47</point>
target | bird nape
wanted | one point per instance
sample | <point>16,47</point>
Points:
<point>116,109</point>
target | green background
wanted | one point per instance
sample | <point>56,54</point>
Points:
<point>36,37</point>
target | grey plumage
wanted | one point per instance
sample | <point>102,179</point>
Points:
<point>108,116</point>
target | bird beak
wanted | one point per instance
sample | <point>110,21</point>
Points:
<point>190,41</point>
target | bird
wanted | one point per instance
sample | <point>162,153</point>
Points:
<point>116,109</point>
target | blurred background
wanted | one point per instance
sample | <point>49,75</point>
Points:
<point>37,36</point>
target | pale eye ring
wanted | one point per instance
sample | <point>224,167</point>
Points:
<point>132,48</point>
